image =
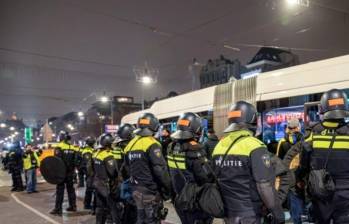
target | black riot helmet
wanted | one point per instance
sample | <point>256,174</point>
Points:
<point>188,126</point>
<point>90,141</point>
<point>147,125</point>
<point>125,131</point>
<point>105,141</point>
<point>241,114</point>
<point>334,105</point>
<point>64,136</point>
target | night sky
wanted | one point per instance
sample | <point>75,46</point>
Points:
<point>55,53</point>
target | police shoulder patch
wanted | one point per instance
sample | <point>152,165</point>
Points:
<point>157,152</point>
<point>266,160</point>
<point>110,162</point>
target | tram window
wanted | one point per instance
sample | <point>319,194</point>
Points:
<point>274,122</point>
<point>312,112</point>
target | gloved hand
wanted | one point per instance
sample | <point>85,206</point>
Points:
<point>165,194</point>
<point>278,216</point>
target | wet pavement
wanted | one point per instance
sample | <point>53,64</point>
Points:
<point>20,207</point>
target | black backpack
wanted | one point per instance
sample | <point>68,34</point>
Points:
<point>187,198</point>
<point>210,198</point>
<point>321,184</point>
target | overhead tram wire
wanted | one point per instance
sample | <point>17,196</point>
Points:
<point>63,58</point>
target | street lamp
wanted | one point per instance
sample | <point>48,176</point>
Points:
<point>12,128</point>
<point>105,99</point>
<point>292,2</point>
<point>2,125</point>
<point>80,114</point>
<point>70,126</point>
<point>145,75</point>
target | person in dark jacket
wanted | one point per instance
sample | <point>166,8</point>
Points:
<point>68,153</point>
<point>244,170</point>
<point>15,165</point>
<point>188,164</point>
<point>210,143</point>
<point>106,182</point>
<point>296,197</point>
<point>86,163</point>
<point>150,180</point>
<point>123,136</point>
<point>292,136</point>
<point>165,141</point>
<point>327,150</point>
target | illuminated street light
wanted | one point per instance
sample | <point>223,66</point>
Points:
<point>71,127</point>
<point>292,2</point>
<point>304,3</point>
<point>146,80</point>
<point>80,114</point>
<point>53,135</point>
<point>2,125</point>
<point>146,75</point>
<point>12,128</point>
<point>104,99</point>
<point>16,133</point>
<point>37,139</point>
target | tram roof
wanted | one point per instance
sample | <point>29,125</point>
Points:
<point>313,77</point>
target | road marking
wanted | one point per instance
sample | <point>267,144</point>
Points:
<point>34,210</point>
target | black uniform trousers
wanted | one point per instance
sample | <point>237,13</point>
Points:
<point>89,193</point>
<point>190,217</point>
<point>82,175</point>
<point>69,184</point>
<point>106,206</point>
<point>243,220</point>
<point>17,179</point>
<point>336,209</point>
<point>130,213</point>
<point>148,207</point>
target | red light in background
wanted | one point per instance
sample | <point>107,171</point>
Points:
<point>283,117</point>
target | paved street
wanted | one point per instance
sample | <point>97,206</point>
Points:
<point>21,207</point>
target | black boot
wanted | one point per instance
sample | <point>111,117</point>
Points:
<point>56,211</point>
<point>87,207</point>
<point>71,209</point>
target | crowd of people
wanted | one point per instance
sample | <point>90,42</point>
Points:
<point>17,161</point>
<point>129,176</point>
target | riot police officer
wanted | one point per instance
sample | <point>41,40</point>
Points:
<point>15,165</point>
<point>325,156</point>
<point>188,163</point>
<point>82,172</point>
<point>244,170</point>
<point>86,162</point>
<point>150,180</point>
<point>68,153</point>
<point>124,136</point>
<point>106,181</point>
